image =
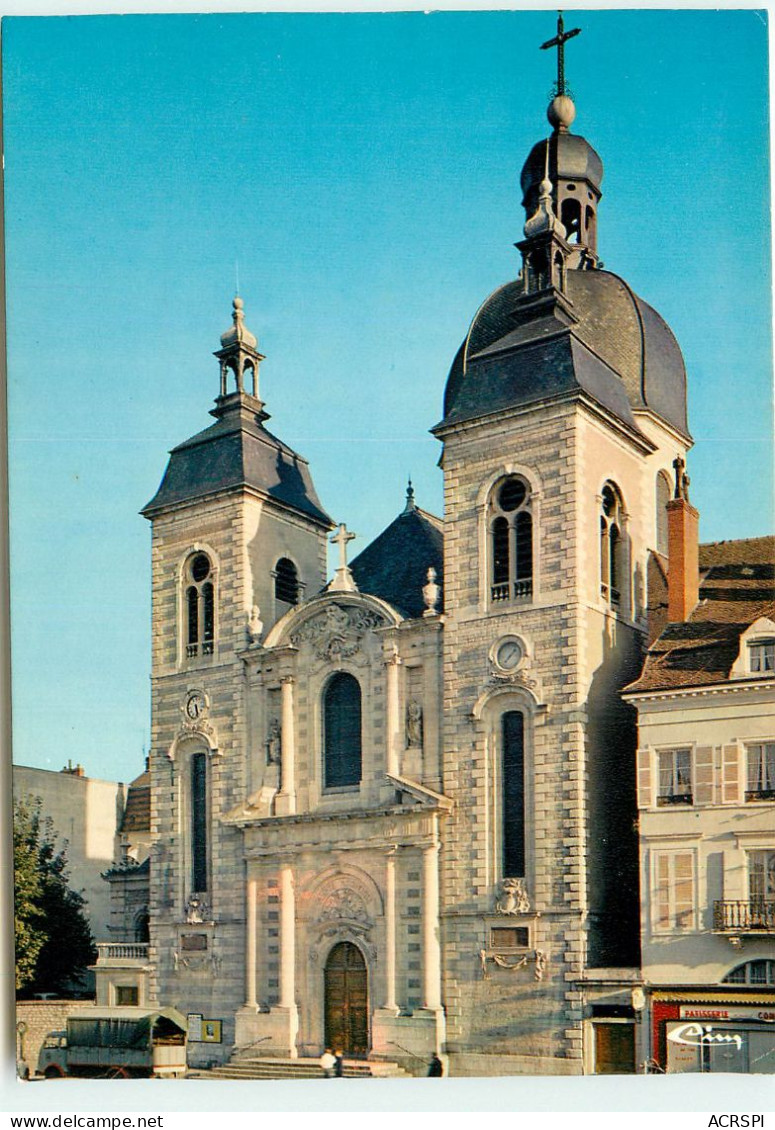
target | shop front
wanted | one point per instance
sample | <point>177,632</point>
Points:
<point>723,1032</point>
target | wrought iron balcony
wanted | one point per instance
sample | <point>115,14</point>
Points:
<point>736,916</point>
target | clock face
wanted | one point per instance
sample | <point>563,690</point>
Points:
<point>509,654</point>
<point>194,706</point>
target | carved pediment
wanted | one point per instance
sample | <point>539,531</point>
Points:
<point>337,631</point>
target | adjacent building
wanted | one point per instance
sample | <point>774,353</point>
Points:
<point>706,800</point>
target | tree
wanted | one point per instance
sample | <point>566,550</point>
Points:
<point>27,890</point>
<point>54,942</point>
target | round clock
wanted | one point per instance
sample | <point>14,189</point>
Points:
<point>508,654</point>
<point>194,706</point>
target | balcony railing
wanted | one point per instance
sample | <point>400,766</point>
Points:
<point>121,951</point>
<point>520,590</point>
<point>744,917</point>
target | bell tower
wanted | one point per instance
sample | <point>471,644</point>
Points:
<point>563,407</point>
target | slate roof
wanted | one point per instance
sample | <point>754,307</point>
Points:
<point>395,565</point>
<point>137,814</point>
<point>737,586</point>
<point>238,451</point>
<point>619,351</point>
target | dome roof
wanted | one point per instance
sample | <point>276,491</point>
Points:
<point>619,350</point>
<point>571,157</point>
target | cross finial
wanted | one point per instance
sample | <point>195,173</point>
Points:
<point>559,42</point>
<point>343,579</point>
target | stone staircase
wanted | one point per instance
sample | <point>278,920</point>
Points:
<point>269,1067</point>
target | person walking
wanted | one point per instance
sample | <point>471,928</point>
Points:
<point>338,1064</point>
<point>328,1064</point>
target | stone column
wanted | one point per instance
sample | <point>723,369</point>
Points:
<point>393,715</point>
<point>285,802</point>
<point>431,949</point>
<point>250,942</point>
<point>287,938</point>
<point>390,933</point>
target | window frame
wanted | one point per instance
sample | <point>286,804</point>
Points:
<point>767,646</point>
<point>200,616</point>
<point>340,786</point>
<point>674,797</point>
<point>506,579</point>
<point>612,544</point>
<point>765,791</point>
<point>672,925</point>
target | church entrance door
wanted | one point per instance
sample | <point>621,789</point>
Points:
<point>346,1008</point>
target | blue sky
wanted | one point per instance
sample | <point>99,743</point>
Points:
<point>360,172</point>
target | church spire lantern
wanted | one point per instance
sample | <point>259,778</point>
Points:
<point>239,355</point>
<point>574,168</point>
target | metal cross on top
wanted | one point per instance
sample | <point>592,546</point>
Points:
<point>559,42</point>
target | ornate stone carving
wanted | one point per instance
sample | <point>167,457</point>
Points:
<point>518,678</point>
<point>273,743</point>
<point>431,593</point>
<point>338,631</point>
<point>255,625</point>
<point>345,903</point>
<point>540,965</point>
<point>414,723</point>
<point>514,898</point>
<point>197,910</point>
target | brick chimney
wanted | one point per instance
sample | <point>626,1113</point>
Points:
<point>683,550</point>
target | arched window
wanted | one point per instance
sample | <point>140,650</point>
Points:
<point>663,497</point>
<point>761,972</point>
<point>200,606</point>
<point>611,545</point>
<point>142,927</point>
<point>286,581</point>
<point>571,218</point>
<point>341,732</point>
<point>513,790</point>
<point>511,541</point>
<point>199,822</point>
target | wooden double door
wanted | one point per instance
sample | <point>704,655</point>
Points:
<point>346,1001</point>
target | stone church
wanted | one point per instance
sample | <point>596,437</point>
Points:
<point>395,813</point>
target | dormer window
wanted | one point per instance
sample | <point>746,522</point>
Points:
<point>761,657</point>
<point>200,606</point>
<point>511,541</point>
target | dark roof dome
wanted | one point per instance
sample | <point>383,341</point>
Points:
<point>615,347</point>
<point>570,158</point>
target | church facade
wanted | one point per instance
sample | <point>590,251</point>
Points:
<point>395,813</point>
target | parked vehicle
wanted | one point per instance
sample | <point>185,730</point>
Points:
<point>121,1043</point>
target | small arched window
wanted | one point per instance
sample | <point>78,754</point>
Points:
<point>662,499</point>
<point>200,606</point>
<point>286,581</point>
<point>143,927</point>
<point>760,972</point>
<point>571,219</point>
<point>342,732</point>
<point>513,789</point>
<point>611,545</point>
<point>511,540</point>
<point>199,822</point>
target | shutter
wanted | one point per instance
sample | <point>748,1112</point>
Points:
<point>703,774</point>
<point>645,799</point>
<point>730,774</point>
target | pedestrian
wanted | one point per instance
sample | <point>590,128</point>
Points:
<point>327,1063</point>
<point>339,1064</point>
<point>435,1068</point>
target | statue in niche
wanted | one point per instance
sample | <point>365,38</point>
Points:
<point>273,743</point>
<point>414,723</point>
<point>197,910</point>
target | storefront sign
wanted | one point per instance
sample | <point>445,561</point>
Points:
<point>727,1012</point>
<point>698,1035</point>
